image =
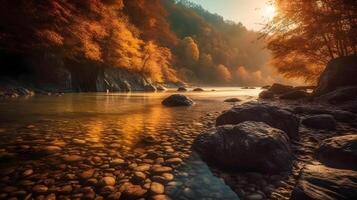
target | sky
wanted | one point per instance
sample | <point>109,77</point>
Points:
<point>252,13</point>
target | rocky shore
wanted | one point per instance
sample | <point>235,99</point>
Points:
<point>301,147</point>
<point>291,144</point>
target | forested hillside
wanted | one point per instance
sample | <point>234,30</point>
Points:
<point>162,41</point>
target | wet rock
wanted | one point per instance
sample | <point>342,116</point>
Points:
<point>160,169</point>
<point>255,196</point>
<point>87,174</point>
<point>66,189</point>
<point>149,88</point>
<point>138,177</point>
<point>232,100</point>
<point>266,95</point>
<point>294,95</point>
<point>323,121</point>
<point>339,96</point>
<point>52,149</point>
<point>339,152</point>
<point>157,188</point>
<point>117,161</point>
<point>198,90</point>
<point>160,197</point>
<point>27,172</point>
<point>182,89</point>
<point>320,182</point>
<point>72,158</point>
<point>133,192</point>
<point>272,115</point>
<point>107,181</point>
<point>161,88</point>
<point>142,168</point>
<point>40,189</point>
<point>277,88</point>
<point>175,161</point>
<point>253,146</point>
<point>177,100</point>
<point>338,73</point>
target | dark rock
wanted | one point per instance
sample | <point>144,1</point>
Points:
<point>182,89</point>
<point>248,146</point>
<point>339,152</point>
<point>272,115</point>
<point>177,100</point>
<point>339,115</point>
<point>161,88</point>
<point>120,80</point>
<point>294,95</point>
<point>351,107</point>
<point>318,182</point>
<point>266,87</point>
<point>340,72</point>
<point>149,88</point>
<point>322,121</point>
<point>198,90</point>
<point>339,96</point>
<point>232,100</point>
<point>266,95</point>
<point>311,87</point>
<point>277,88</point>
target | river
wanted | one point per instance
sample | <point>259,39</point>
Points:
<point>67,146</point>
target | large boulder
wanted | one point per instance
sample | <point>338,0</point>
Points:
<point>252,146</point>
<point>294,95</point>
<point>266,95</point>
<point>339,152</point>
<point>339,96</point>
<point>177,100</point>
<point>322,121</point>
<point>317,182</point>
<point>260,112</point>
<point>340,72</point>
<point>277,88</point>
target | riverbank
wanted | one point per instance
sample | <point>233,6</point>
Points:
<point>68,144</point>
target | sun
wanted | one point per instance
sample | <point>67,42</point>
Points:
<point>269,11</point>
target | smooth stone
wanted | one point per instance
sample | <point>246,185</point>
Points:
<point>139,177</point>
<point>142,168</point>
<point>254,197</point>
<point>157,188</point>
<point>117,161</point>
<point>87,174</point>
<point>160,169</point>
<point>174,161</point>
<point>72,158</point>
<point>39,189</point>
<point>107,181</point>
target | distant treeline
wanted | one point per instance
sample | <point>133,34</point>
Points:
<point>165,41</point>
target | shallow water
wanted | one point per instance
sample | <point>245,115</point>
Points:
<point>100,128</point>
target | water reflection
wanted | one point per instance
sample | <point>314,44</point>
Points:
<point>94,130</point>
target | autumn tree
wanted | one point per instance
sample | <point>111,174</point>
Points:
<point>306,34</point>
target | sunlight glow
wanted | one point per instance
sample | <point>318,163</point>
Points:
<point>269,11</point>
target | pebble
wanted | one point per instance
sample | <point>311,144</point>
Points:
<point>174,161</point>
<point>72,158</point>
<point>27,172</point>
<point>107,181</point>
<point>142,168</point>
<point>254,197</point>
<point>39,189</point>
<point>157,188</point>
<point>87,174</point>
<point>161,169</point>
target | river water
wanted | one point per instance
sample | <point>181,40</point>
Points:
<point>47,143</point>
